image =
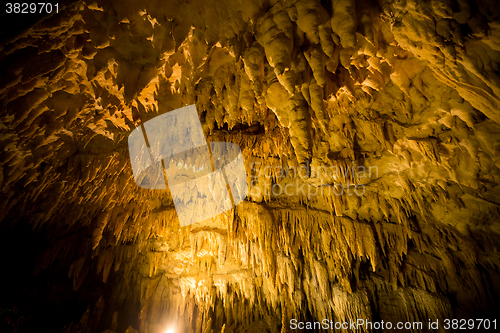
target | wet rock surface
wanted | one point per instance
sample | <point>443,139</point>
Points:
<point>404,93</point>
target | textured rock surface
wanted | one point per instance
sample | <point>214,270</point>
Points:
<point>408,89</point>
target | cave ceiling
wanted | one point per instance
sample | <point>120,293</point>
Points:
<point>400,98</point>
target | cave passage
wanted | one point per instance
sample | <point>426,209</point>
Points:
<point>369,166</point>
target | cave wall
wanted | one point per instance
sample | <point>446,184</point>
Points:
<point>406,89</point>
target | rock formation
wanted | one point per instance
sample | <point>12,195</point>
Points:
<point>370,133</point>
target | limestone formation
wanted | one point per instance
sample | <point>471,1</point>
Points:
<point>370,132</point>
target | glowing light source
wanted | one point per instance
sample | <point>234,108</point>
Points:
<point>170,330</point>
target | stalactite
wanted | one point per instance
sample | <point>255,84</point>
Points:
<point>324,98</point>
